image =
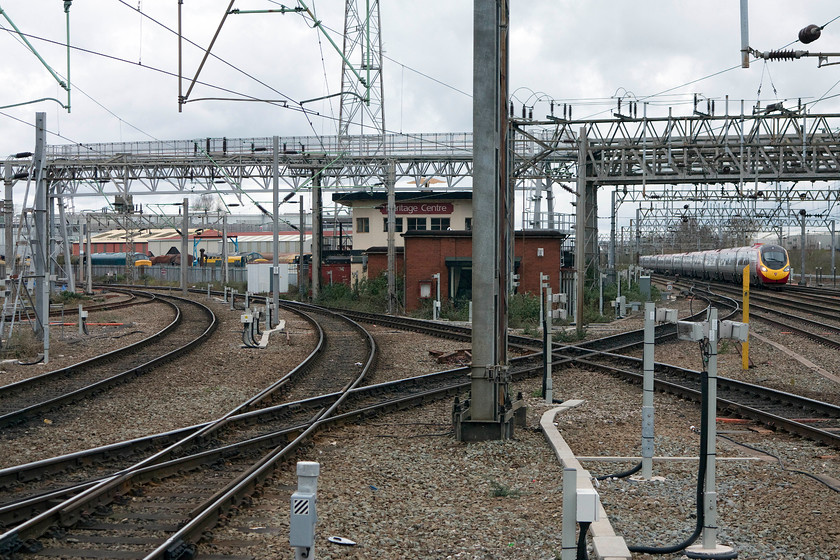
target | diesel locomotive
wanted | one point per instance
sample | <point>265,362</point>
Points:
<point>769,265</point>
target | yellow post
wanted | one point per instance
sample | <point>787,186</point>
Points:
<point>745,346</point>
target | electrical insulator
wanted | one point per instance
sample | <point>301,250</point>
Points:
<point>531,113</point>
<point>782,55</point>
<point>552,108</point>
<point>810,34</point>
<point>523,111</point>
<point>511,108</point>
<point>713,107</point>
<point>619,105</point>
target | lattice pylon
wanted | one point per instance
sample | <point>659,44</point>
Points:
<point>362,103</point>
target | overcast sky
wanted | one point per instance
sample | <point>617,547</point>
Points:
<point>585,53</point>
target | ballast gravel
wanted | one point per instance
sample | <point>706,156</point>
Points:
<point>400,486</point>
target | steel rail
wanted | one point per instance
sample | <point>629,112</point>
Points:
<point>406,401</point>
<point>794,402</point>
<point>103,491</point>
<point>106,383</point>
<point>820,339</point>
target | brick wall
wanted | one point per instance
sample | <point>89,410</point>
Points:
<point>377,262</point>
<point>426,253</point>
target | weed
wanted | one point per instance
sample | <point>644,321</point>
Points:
<point>23,344</point>
<point>369,295</point>
<point>568,335</point>
<point>502,491</point>
<point>68,298</point>
<point>523,311</point>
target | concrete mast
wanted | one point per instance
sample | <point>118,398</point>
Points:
<point>490,412</point>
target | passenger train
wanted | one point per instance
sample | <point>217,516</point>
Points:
<point>769,264</point>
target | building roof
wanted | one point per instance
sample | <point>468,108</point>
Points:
<point>530,233</point>
<point>347,199</point>
<point>207,234</point>
<point>382,250</point>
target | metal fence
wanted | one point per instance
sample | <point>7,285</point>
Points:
<point>157,273</point>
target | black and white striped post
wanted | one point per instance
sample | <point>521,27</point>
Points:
<point>303,513</point>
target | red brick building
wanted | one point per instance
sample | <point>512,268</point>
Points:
<point>449,253</point>
<point>377,261</point>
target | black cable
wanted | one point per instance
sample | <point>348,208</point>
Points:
<point>701,481</point>
<point>623,474</point>
<point>781,463</point>
<point>38,361</point>
<point>582,553</point>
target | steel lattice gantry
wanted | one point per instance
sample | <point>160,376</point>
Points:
<point>659,154</point>
<point>697,158</point>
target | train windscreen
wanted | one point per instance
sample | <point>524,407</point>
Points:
<point>774,257</point>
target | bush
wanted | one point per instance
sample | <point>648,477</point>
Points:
<point>68,298</point>
<point>523,311</point>
<point>365,295</point>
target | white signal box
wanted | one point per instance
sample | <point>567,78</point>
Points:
<point>664,315</point>
<point>558,299</point>
<point>734,330</point>
<point>559,314</point>
<point>694,332</point>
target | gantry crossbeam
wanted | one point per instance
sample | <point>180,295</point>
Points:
<point>673,158</point>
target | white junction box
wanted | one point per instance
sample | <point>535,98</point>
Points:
<point>587,505</point>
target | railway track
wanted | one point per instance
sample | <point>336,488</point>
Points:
<point>784,312</point>
<point>131,299</point>
<point>808,418</point>
<point>160,505</point>
<point>359,403</point>
<point>193,323</point>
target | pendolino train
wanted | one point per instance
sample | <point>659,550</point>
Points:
<point>768,264</point>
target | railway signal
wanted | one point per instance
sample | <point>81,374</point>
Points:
<point>551,301</point>
<point>708,333</point>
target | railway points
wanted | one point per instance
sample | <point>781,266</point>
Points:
<point>387,439</point>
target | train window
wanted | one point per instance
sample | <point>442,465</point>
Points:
<point>774,258</point>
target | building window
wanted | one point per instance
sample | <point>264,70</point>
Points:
<point>362,225</point>
<point>416,224</point>
<point>439,224</point>
<point>468,224</point>
<point>398,225</point>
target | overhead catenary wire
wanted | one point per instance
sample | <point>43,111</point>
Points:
<point>220,59</point>
<point>292,105</point>
<point>109,111</point>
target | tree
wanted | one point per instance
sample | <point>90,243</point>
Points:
<point>206,203</point>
